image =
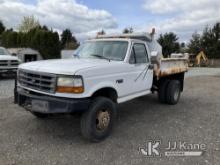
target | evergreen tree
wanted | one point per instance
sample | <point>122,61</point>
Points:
<point>169,43</point>
<point>128,30</point>
<point>194,45</point>
<point>209,42</point>
<point>2,27</point>
<point>102,32</point>
<point>68,41</point>
<point>39,38</point>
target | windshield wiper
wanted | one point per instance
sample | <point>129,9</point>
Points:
<point>100,56</point>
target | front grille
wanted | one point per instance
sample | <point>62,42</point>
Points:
<point>39,81</point>
<point>14,63</point>
<point>9,63</point>
<point>4,63</point>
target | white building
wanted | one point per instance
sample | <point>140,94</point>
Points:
<point>26,54</point>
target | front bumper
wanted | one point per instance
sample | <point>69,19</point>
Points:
<point>8,70</point>
<point>35,102</point>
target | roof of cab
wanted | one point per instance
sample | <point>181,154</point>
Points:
<point>139,36</point>
<point>110,39</point>
<point>115,39</point>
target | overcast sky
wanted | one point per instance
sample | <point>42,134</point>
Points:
<point>86,17</point>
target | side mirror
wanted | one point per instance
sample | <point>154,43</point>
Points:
<point>155,57</point>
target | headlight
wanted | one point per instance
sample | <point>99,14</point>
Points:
<point>70,84</point>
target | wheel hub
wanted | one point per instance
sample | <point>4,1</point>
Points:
<point>102,120</point>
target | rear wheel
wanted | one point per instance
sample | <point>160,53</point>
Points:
<point>97,123</point>
<point>162,91</point>
<point>173,92</point>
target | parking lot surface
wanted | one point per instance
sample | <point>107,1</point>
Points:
<point>27,140</point>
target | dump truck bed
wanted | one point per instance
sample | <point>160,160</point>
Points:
<point>170,66</point>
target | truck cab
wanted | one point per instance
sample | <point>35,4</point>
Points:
<point>103,72</point>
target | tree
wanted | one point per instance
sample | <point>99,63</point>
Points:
<point>39,38</point>
<point>183,45</point>
<point>169,43</point>
<point>194,45</point>
<point>183,48</point>
<point>209,42</point>
<point>102,32</point>
<point>45,41</point>
<point>28,23</point>
<point>68,41</point>
<point>128,30</point>
<point>8,39</point>
<point>2,27</point>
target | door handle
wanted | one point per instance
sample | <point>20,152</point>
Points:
<point>119,81</point>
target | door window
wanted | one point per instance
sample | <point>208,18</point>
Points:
<point>139,54</point>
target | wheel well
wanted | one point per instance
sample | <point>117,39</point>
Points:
<point>110,93</point>
<point>179,77</point>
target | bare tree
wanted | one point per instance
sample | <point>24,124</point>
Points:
<point>28,23</point>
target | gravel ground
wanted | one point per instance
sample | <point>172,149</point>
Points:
<point>203,72</point>
<point>26,140</point>
<point>6,87</point>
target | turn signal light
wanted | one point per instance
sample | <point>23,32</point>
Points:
<point>76,90</point>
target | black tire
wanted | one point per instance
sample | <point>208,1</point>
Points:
<point>173,92</point>
<point>162,91</point>
<point>40,115</point>
<point>90,126</point>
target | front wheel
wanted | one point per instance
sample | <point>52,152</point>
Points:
<point>97,123</point>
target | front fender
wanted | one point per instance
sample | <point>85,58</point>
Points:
<point>101,85</point>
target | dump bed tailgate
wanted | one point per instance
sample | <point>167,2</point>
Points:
<point>169,66</point>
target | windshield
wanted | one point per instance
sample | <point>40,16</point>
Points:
<point>111,50</point>
<point>3,51</point>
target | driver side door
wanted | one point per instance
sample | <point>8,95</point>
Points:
<point>142,75</point>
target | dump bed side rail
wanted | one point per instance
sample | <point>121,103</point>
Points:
<point>170,66</point>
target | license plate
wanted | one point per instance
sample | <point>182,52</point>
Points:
<point>40,106</point>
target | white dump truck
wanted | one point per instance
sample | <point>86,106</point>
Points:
<point>105,71</point>
<point>8,63</point>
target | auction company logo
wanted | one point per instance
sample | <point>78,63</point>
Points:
<point>175,148</point>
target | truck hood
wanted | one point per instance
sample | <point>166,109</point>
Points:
<point>64,66</point>
<point>7,57</point>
